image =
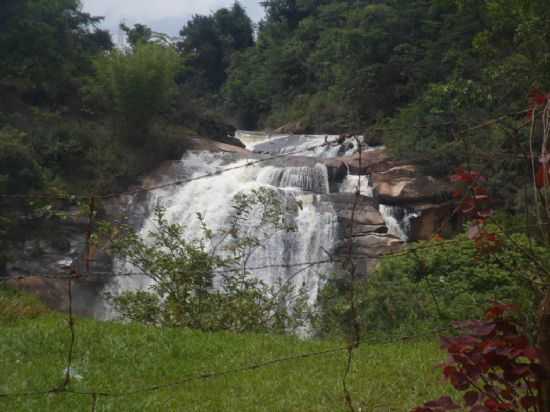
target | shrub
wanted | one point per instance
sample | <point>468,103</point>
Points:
<point>434,283</point>
<point>204,283</point>
<point>493,363</point>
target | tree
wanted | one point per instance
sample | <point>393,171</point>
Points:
<point>137,85</point>
<point>40,37</point>
<point>141,33</point>
<point>209,43</point>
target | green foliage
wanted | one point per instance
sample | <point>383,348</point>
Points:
<point>209,43</point>
<point>446,64</point>
<point>438,282</point>
<point>137,85</point>
<point>19,169</point>
<point>15,306</point>
<point>366,58</point>
<point>204,283</point>
<point>141,33</point>
<point>46,44</point>
<point>401,375</point>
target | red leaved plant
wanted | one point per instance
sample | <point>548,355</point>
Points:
<point>472,197</point>
<point>493,363</point>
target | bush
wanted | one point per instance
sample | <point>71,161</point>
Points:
<point>204,283</point>
<point>433,284</point>
<point>15,306</point>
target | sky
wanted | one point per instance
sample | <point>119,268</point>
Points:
<point>165,16</point>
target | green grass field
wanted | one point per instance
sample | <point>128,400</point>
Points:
<point>113,357</point>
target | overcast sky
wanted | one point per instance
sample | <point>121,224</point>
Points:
<point>166,16</point>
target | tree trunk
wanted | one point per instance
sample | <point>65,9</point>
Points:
<point>544,344</point>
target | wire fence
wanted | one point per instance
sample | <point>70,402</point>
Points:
<point>349,261</point>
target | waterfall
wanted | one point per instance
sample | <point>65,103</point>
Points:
<point>307,179</point>
<point>398,220</point>
<point>279,259</point>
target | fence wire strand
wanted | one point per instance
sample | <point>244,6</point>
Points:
<point>350,261</point>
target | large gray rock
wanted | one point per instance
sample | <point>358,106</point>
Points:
<point>366,162</point>
<point>364,210</point>
<point>402,188</point>
<point>434,219</point>
<point>365,252</point>
<point>49,251</point>
<point>371,245</point>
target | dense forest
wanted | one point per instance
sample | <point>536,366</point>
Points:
<point>455,92</point>
<point>409,73</point>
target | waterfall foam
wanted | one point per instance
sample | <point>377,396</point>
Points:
<point>280,257</point>
<point>398,220</point>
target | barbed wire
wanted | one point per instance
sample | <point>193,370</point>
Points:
<point>350,260</point>
<point>179,182</point>
<point>213,374</point>
<point>249,163</point>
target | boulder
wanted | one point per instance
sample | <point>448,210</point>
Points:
<point>365,213</point>
<point>376,245</point>
<point>54,293</point>
<point>366,251</point>
<point>433,219</point>
<point>364,164</point>
<point>401,187</point>
<point>201,143</point>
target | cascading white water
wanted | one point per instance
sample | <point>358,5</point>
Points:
<point>308,179</point>
<point>351,182</point>
<point>398,220</point>
<point>212,197</point>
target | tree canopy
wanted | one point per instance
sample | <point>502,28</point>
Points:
<point>40,37</point>
<point>209,43</point>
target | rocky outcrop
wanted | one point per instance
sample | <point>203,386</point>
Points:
<point>363,232</point>
<point>55,294</point>
<point>366,251</point>
<point>434,218</point>
<point>362,209</point>
<point>406,190</point>
<point>394,182</point>
<point>48,251</point>
<point>201,143</point>
<point>369,161</point>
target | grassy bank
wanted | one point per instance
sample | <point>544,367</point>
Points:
<point>111,357</point>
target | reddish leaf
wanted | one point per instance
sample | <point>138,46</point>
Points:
<point>538,97</point>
